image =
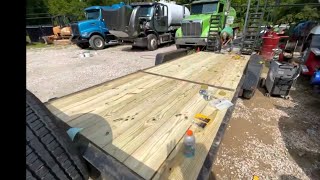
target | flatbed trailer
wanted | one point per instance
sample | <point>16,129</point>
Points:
<point>133,126</point>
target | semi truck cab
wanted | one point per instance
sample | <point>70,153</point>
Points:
<point>195,28</point>
<point>93,31</point>
<point>147,24</point>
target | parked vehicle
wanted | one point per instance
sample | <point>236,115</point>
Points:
<point>311,55</point>
<point>206,15</point>
<point>147,24</point>
<point>94,32</point>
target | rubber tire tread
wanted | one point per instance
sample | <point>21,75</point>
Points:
<point>49,150</point>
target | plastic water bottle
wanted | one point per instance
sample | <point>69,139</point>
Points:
<point>203,89</point>
<point>189,144</point>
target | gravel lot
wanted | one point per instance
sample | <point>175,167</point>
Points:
<point>271,137</point>
<point>58,71</point>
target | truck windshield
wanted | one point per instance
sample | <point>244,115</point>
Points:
<point>145,11</point>
<point>93,14</point>
<point>203,8</point>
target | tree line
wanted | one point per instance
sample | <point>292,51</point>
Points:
<point>277,15</point>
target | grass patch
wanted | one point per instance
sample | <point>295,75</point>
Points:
<point>37,45</point>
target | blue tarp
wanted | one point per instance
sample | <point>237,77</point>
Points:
<point>303,28</point>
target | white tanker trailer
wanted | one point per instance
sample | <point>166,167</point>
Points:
<point>146,24</point>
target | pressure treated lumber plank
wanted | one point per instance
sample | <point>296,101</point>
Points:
<point>130,140</point>
<point>122,115</point>
<point>97,124</point>
<point>161,151</point>
<point>102,99</point>
<point>205,70</point>
<point>176,64</point>
<point>221,63</point>
<point>149,111</point>
<point>178,167</point>
<point>159,144</point>
<point>127,145</point>
<point>149,98</point>
<point>159,147</point>
<point>194,68</point>
<point>86,93</point>
<point>114,92</point>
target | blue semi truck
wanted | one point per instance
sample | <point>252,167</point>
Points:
<point>93,31</point>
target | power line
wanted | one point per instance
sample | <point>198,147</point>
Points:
<point>40,18</point>
<point>36,14</point>
<point>284,5</point>
<point>38,8</point>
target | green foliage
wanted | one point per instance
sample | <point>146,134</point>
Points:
<point>280,14</point>
<point>296,14</point>
<point>34,9</point>
<point>285,14</point>
<point>71,7</point>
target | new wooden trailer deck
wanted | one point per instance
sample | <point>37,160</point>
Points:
<point>135,124</point>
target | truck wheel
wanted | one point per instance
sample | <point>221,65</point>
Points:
<point>49,150</point>
<point>96,42</point>
<point>152,42</point>
<point>83,45</point>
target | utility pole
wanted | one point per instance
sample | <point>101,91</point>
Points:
<point>246,20</point>
<point>226,13</point>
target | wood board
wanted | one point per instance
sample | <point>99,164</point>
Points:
<point>141,119</point>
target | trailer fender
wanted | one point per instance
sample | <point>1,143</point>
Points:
<point>252,76</point>
<point>168,56</point>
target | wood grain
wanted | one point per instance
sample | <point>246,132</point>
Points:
<point>141,119</point>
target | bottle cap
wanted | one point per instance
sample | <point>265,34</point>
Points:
<point>189,132</point>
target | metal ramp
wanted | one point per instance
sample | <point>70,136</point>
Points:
<point>213,39</point>
<point>252,35</point>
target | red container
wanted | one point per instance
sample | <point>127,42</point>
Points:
<point>312,63</point>
<point>269,43</point>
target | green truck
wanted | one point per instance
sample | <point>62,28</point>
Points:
<point>207,18</point>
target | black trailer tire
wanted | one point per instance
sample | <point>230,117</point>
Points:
<point>248,94</point>
<point>83,45</point>
<point>96,42</point>
<point>49,150</point>
<point>152,42</point>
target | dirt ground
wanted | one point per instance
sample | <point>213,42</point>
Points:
<point>56,71</point>
<point>272,138</point>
